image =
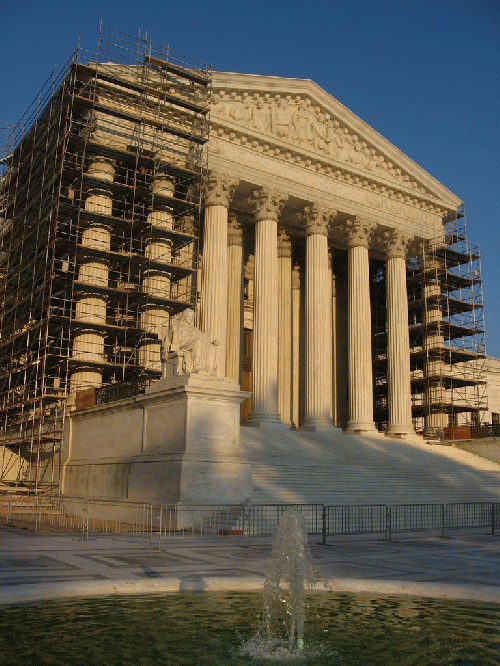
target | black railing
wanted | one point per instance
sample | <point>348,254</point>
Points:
<point>478,432</point>
<point>121,390</point>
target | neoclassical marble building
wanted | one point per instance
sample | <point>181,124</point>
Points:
<point>302,202</point>
<point>317,255</point>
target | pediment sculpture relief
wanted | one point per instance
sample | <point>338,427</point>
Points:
<point>186,349</point>
<point>300,121</point>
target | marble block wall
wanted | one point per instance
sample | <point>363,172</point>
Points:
<point>179,442</point>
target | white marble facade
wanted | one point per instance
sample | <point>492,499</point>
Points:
<point>300,196</point>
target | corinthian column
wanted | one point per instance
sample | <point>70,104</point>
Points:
<point>88,341</point>
<point>234,300</point>
<point>318,401</point>
<point>296,300</point>
<point>284,327</point>
<point>156,282</point>
<point>398,343</point>
<point>358,233</point>
<point>213,307</point>
<point>267,205</point>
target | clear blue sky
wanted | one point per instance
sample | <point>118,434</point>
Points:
<point>423,73</point>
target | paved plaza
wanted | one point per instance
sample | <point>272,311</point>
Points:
<point>42,565</point>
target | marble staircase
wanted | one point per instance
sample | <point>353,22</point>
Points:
<point>328,467</point>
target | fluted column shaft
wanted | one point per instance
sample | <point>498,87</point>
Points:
<point>213,312</point>
<point>234,302</point>
<point>284,328</point>
<point>214,280</point>
<point>359,335</point>
<point>318,397</point>
<point>267,204</point>
<point>265,323</point>
<point>296,278</point>
<point>398,349</point>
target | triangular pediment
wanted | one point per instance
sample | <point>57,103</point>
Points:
<point>295,117</point>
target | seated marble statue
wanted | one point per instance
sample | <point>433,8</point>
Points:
<point>188,348</point>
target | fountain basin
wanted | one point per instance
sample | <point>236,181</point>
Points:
<point>221,629</point>
<point>198,583</point>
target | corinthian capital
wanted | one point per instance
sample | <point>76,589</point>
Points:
<point>267,203</point>
<point>358,231</point>
<point>218,188</point>
<point>395,243</point>
<point>317,219</point>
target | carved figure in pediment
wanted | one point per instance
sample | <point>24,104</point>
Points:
<point>376,162</point>
<point>280,119</point>
<point>261,117</point>
<point>357,154</point>
<point>188,348</point>
<point>319,130</point>
<point>302,120</point>
<point>242,113</point>
<point>333,141</point>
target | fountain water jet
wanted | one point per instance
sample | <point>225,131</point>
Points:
<point>291,564</point>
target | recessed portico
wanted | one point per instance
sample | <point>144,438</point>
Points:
<point>317,196</point>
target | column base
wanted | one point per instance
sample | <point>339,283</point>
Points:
<point>400,430</point>
<point>361,428</point>
<point>317,424</point>
<point>257,419</point>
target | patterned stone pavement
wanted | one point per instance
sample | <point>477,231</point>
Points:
<point>30,561</point>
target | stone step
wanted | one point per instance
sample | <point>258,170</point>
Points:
<point>331,468</point>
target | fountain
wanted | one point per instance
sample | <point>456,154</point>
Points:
<point>290,576</point>
<point>291,563</point>
<point>214,627</point>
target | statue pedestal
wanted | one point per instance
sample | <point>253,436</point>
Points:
<point>195,419</point>
<point>179,442</point>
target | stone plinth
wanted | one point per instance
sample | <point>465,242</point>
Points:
<point>179,442</point>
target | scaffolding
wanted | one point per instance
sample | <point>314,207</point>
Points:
<point>100,206</point>
<point>447,331</point>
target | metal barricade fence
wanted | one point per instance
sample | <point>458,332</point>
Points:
<point>355,519</point>
<point>201,520</point>
<point>105,516</point>
<point>416,518</point>
<point>460,515</point>
<point>496,517</point>
<point>264,518</point>
<point>258,520</point>
<point>42,512</point>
